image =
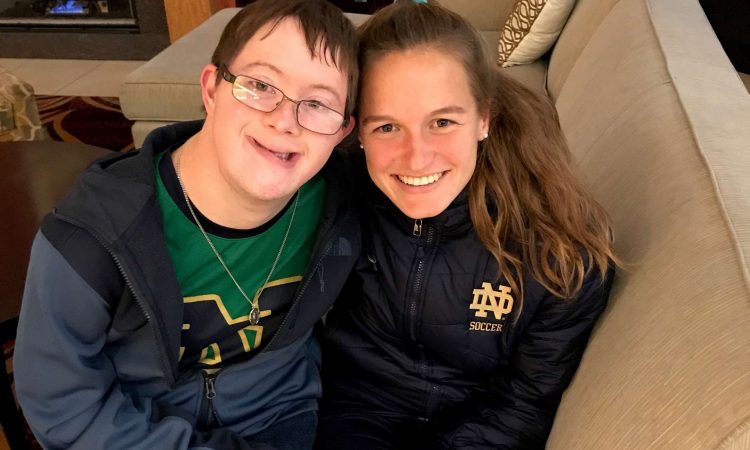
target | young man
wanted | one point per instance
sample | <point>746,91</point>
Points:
<point>171,297</point>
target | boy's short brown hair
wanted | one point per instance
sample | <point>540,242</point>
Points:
<point>324,25</point>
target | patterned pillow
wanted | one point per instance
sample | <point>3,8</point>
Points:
<point>19,117</point>
<point>531,29</point>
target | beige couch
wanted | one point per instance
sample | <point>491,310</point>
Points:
<point>659,124</point>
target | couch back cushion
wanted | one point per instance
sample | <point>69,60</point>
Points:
<point>485,15</point>
<point>585,19</point>
<point>657,121</point>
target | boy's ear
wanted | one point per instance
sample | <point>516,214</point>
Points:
<point>349,127</point>
<point>208,87</point>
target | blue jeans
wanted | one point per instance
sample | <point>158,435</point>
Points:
<point>295,433</point>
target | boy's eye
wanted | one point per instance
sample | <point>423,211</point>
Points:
<point>314,104</point>
<point>261,86</point>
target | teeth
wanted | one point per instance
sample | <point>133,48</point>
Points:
<point>281,156</point>
<point>420,181</point>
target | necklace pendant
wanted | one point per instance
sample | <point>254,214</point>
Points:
<point>254,316</point>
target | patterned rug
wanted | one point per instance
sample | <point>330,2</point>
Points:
<point>90,120</point>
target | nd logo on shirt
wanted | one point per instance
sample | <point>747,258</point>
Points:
<point>216,330</point>
<point>225,320</point>
<point>487,299</point>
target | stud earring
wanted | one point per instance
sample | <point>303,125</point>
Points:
<point>486,135</point>
<point>361,146</point>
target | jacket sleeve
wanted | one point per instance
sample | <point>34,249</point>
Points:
<point>519,410</point>
<point>66,384</point>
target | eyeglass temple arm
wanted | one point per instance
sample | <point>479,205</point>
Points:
<point>225,73</point>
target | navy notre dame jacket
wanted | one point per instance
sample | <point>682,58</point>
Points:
<point>428,332</point>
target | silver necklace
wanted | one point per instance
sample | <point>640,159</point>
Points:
<point>254,315</point>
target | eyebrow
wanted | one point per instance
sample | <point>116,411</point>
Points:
<point>262,64</point>
<point>328,88</point>
<point>275,69</point>
<point>453,109</point>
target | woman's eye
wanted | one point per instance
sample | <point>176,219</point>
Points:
<point>387,128</point>
<point>442,123</point>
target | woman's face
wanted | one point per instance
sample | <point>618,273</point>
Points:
<point>420,127</point>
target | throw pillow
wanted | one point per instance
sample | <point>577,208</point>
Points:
<point>19,117</point>
<point>532,27</point>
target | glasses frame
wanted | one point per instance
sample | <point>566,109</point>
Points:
<point>229,77</point>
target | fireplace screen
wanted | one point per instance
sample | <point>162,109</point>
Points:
<point>67,12</point>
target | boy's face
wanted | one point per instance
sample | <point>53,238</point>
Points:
<point>267,156</point>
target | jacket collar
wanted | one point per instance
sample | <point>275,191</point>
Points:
<point>455,219</point>
<point>127,181</point>
<point>109,196</point>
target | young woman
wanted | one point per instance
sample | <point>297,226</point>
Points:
<point>486,264</point>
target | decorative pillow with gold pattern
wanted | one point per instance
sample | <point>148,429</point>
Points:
<point>532,27</point>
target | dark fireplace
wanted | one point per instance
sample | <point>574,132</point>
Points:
<point>82,29</point>
<point>67,12</point>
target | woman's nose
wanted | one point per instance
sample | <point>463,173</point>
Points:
<point>418,154</point>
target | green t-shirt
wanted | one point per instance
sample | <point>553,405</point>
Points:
<point>216,330</point>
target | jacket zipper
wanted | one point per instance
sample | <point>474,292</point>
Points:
<point>418,276</point>
<point>138,300</point>
<point>432,390</point>
<point>304,286</point>
<point>208,416</point>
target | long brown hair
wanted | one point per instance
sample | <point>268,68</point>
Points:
<point>526,205</point>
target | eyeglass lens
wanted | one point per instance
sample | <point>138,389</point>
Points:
<point>310,114</point>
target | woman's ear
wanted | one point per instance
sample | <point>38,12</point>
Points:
<point>209,80</point>
<point>484,123</point>
<point>359,137</point>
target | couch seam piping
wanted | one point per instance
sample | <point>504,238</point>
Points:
<point>712,174</point>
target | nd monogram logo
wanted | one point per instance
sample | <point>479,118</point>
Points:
<point>487,299</point>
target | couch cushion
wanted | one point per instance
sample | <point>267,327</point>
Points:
<point>490,38</point>
<point>485,15</point>
<point>531,29</point>
<point>142,128</point>
<point>657,121</point>
<point>586,17</point>
<point>167,88</point>
<point>533,75</point>
<point>745,80</point>
<point>739,440</point>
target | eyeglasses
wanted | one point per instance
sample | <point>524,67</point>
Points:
<point>261,96</point>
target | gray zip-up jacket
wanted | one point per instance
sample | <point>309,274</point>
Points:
<point>96,356</point>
